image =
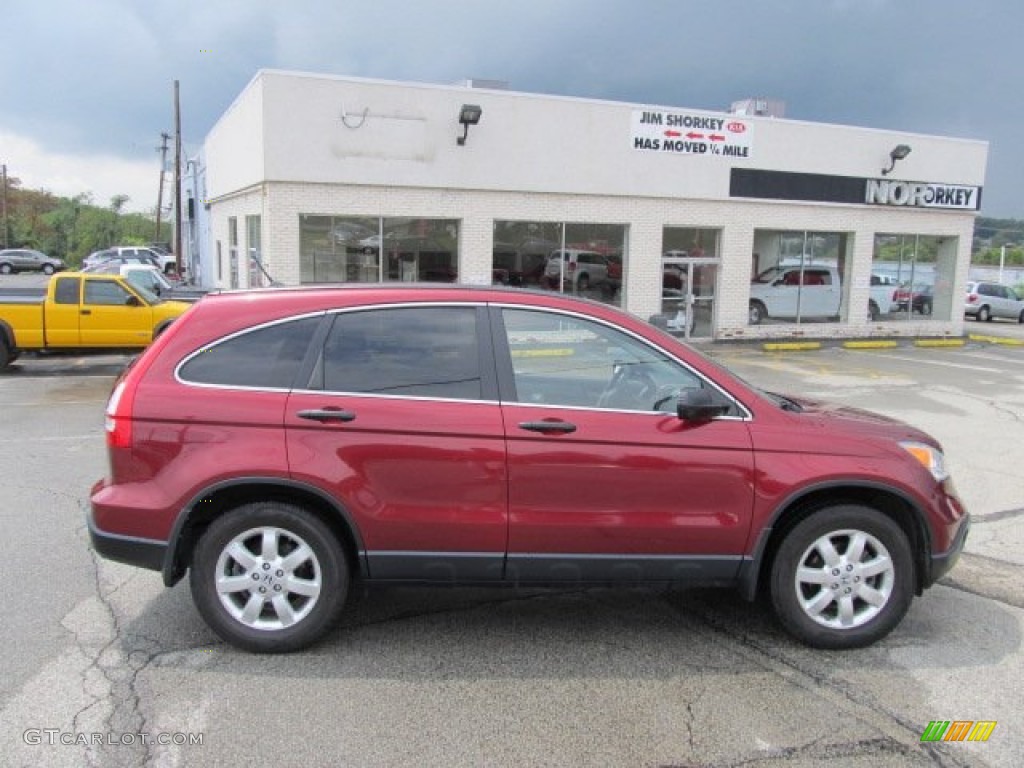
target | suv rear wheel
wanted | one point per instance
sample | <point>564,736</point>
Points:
<point>843,577</point>
<point>269,577</point>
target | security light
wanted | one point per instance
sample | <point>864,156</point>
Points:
<point>899,152</point>
<point>468,115</point>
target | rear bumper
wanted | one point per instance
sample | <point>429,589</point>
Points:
<point>142,553</point>
<point>943,562</point>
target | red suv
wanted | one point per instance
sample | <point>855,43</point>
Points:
<point>279,444</point>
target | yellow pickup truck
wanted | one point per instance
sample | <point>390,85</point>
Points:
<point>83,311</point>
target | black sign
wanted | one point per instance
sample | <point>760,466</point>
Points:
<point>819,188</point>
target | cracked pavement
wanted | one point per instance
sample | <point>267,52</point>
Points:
<point>645,677</point>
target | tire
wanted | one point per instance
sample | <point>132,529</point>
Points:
<point>6,356</point>
<point>48,269</point>
<point>758,313</point>
<point>873,311</point>
<point>854,600</point>
<point>1020,318</point>
<point>310,592</point>
<point>6,269</point>
<point>926,308</point>
<point>984,315</point>
<point>583,283</point>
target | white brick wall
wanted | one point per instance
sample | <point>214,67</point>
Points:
<point>281,204</point>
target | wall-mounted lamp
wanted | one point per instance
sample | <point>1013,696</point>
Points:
<point>898,153</point>
<point>468,115</point>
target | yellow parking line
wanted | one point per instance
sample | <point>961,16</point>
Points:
<point>939,342</point>
<point>873,344</point>
<point>791,346</point>
<point>997,340</point>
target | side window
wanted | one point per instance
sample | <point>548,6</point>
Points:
<point>264,358</point>
<point>405,351</point>
<point>66,291</point>
<point>569,361</point>
<point>106,293</point>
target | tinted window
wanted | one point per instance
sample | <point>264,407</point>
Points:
<point>267,358</point>
<point>66,291</point>
<point>414,351</point>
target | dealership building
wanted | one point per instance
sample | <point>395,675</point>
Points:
<point>723,225</point>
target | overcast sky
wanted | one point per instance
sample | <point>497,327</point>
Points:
<point>86,86</point>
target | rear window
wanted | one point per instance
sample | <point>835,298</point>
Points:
<point>263,358</point>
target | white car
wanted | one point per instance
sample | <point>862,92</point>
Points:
<point>986,301</point>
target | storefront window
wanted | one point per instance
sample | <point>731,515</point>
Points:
<point>581,259</point>
<point>919,270</point>
<point>798,277</point>
<point>348,249</point>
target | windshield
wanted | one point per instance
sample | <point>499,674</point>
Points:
<point>770,275</point>
<point>147,280</point>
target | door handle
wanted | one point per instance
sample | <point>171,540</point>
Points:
<point>86,311</point>
<point>548,426</point>
<point>323,415</point>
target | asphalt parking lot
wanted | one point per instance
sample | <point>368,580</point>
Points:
<point>473,677</point>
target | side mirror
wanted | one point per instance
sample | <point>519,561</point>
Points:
<point>133,301</point>
<point>697,405</point>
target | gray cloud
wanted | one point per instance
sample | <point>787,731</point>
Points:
<point>97,76</point>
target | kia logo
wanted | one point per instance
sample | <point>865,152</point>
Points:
<point>736,127</point>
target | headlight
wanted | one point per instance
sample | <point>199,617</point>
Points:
<point>930,458</point>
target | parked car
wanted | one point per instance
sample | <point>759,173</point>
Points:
<point>26,260</point>
<point>812,292</point>
<point>919,298</point>
<point>986,301</point>
<point>82,311</point>
<point>132,254</point>
<point>150,278</point>
<point>514,267</point>
<point>278,445</point>
<point>583,269</point>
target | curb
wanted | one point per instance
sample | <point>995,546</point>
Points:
<point>861,344</point>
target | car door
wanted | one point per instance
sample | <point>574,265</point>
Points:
<point>64,312</point>
<point>112,316</point>
<point>399,422</point>
<point>605,481</point>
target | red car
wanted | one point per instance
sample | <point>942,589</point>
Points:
<point>277,445</point>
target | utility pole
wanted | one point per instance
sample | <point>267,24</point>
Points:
<point>162,149</point>
<point>177,180</point>
<point>5,203</point>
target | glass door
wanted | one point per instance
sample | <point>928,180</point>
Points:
<point>688,295</point>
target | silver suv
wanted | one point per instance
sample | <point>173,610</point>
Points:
<point>986,301</point>
<point>26,260</point>
<point>132,254</point>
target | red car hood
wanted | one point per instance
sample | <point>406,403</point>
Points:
<point>861,423</point>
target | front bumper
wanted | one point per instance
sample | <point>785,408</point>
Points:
<point>942,563</point>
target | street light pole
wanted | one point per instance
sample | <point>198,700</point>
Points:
<point>1002,261</point>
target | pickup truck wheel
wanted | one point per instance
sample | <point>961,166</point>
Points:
<point>873,311</point>
<point>6,356</point>
<point>269,577</point>
<point>843,577</point>
<point>984,315</point>
<point>757,313</point>
<point>6,269</point>
<point>1020,318</point>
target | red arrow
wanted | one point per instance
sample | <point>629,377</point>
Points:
<point>693,135</point>
<point>714,137</point>
<point>673,134</point>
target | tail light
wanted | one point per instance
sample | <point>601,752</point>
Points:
<point>971,298</point>
<point>118,416</point>
<point>572,266</point>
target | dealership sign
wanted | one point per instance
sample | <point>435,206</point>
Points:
<point>687,133</point>
<point>921,195</point>
<point>820,188</point>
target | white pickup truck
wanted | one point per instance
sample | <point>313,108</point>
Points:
<point>815,292</point>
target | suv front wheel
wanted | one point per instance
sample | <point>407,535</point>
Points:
<point>269,577</point>
<point>843,577</point>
